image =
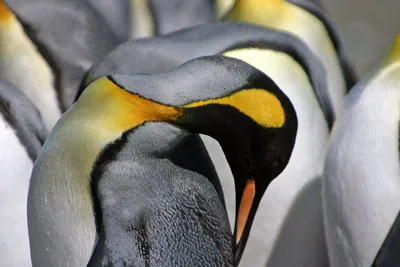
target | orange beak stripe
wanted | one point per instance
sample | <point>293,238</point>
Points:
<point>245,206</point>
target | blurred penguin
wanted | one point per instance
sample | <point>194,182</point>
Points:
<point>22,65</point>
<point>361,186</point>
<point>309,21</point>
<point>70,35</point>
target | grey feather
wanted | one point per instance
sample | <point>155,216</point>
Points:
<point>70,35</point>
<point>174,15</point>
<point>155,212</point>
<point>117,15</point>
<point>24,117</point>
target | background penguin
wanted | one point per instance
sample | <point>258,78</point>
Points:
<point>22,65</point>
<point>69,35</point>
<point>291,206</point>
<point>361,178</point>
<point>158,17</point>
<point>92,143</point>
<point>22,134</point>
<point>308,21</point>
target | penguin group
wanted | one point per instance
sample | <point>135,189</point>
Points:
<point>193,133</point>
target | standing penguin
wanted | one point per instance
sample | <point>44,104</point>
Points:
<point>361,185</point>
<point>22,134</point>
<point>292,203</point>
<point>307,20</point>
<point>22,65</point>
<point>69,36</point>
<point>109,165</point>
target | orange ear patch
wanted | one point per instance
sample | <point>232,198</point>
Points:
<point>5,12</point>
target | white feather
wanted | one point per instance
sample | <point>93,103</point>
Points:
<point>361,178</point>
<point>15,172</point>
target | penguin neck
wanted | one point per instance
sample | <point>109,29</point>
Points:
<point>281,15</point>
<point>22,65</point>
<point>261,12</point>
<point>6,16</point>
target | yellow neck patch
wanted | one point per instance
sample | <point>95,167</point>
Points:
<point>5,13</point>
<point>122,110</point>
<point>394,53</point>
<point>260,105</point>
<point>260,12</point>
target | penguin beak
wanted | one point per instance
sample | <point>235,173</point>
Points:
<point>246,201</point>
<point>245,212</point>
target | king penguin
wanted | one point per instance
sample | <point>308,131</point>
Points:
<point>21,64</point>
<point>308,20</point>
<point>69,35</point>
<point>22,134</point>
<point>108,165</point>
<point>292,204</point>
<point>361,185</point>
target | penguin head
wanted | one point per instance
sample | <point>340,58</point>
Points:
<point>225,98</point>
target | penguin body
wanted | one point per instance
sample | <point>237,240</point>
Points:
<point>308,22</point>
<point>158,17</point>
<point>82,171</point>
<point>70,36</point>
<point>22,65</point>
<point>361,185</point>
<point>21,135</point>
<point>296,191</point>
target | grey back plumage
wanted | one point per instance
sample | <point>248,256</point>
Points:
<point>23,117</point>
<point>70,35</point>
<point>168,214</point>
<point>163,53</point>
<point>116,14</point>
<point>174,15</point>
